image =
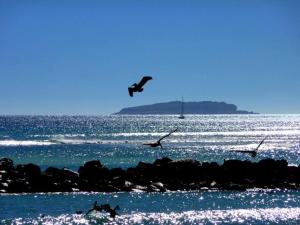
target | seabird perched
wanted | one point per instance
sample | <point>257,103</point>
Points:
<point>138,87</point>
<point>253,152</point>
<point>157,143</point>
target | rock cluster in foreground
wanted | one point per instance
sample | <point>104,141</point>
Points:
<point>162,175</point>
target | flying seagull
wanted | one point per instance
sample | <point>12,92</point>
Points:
<point>95,207</point>
<point>106,208</point>
<point>157,143</point>
<point>138,87</point>
<point>253,152</point>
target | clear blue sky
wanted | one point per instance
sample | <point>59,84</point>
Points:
<point>79,57</point>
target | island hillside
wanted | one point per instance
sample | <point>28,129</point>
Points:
<point>174,107</point>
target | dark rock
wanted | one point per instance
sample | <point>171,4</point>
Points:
<point>128,186</point>
<point>233,187</point>
<point>3,187</point>
<point>157,187</point>
<point>236,171</point>
<point>19,186</point>
<point>61,179</point>
<point>187,169</point>
<point>139,188</point>
<point>294,174</point>
<point>145,172</point>
<point>142,166</point>
<point>93,164</point>
<point>117,172</point>
<point>210,171</point>
<point>6,164</point>
<point>162,162</point>
<point>164,174</point>
<point>118,182</point>
<point>61,174</point>
<point>30,170</point>
<point>271,172</point>
<point>184,164</point>
<point>93,171</point>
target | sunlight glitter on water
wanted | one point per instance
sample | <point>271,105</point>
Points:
<point>234,216</point>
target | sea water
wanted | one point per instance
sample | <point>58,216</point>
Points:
<point>117,141</point>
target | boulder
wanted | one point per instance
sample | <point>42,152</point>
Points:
<point>19,186</point>
<point>30,170</point>
<point>93,171</point>
<point>61,179</point>
<point>6,164</point>
<point>271,172</point>
<point>237,171</point>
<point>186,169</point>
<point>162,162</point>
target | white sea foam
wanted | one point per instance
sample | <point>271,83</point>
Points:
<point>24,143</point>
<point>227,143</point>
<point>57,135</point>
<point>216,133</point>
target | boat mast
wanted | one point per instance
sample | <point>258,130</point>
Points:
<point>182,109</point>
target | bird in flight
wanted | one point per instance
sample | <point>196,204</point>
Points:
<point>157,143</point>
<point>253,152</point>
<point>106,208</point>
<point>138,87</point>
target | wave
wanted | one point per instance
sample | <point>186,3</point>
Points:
<point>7,143</point>
<point>213,133</point>
<point>92,141</point>
<point>24,143</point>
<point>229,144</point>
<point>56,135</point>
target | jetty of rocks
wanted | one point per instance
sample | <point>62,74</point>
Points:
<point>163,175</point>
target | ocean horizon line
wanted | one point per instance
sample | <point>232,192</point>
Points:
<point>120,115</point>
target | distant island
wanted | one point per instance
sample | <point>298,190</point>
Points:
<point>202,107</point>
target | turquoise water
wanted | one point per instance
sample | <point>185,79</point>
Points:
<point>117,142</point>
<point>207,207</point>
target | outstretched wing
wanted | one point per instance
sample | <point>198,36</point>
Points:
<point>89,211</point>
<point>94,206</point>
<point>167,135</point>
<point>243,151</point>
<point>130,91</point>
<point>260,143</point>
<point>143,81</point>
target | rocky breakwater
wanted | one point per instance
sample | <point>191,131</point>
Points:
<point>162,175</point>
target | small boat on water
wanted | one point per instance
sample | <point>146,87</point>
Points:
<point>181,116</point>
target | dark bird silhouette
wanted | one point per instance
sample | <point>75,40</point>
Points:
<point>112,212</point>
<point>106,208</point>
<point>95,207</point>
<point>157,143</point>
<point>253,152</point>
<point>138,87</point>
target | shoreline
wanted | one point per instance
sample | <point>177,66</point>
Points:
<point>163,175</point>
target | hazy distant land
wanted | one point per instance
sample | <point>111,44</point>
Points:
<point>174,107</point>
